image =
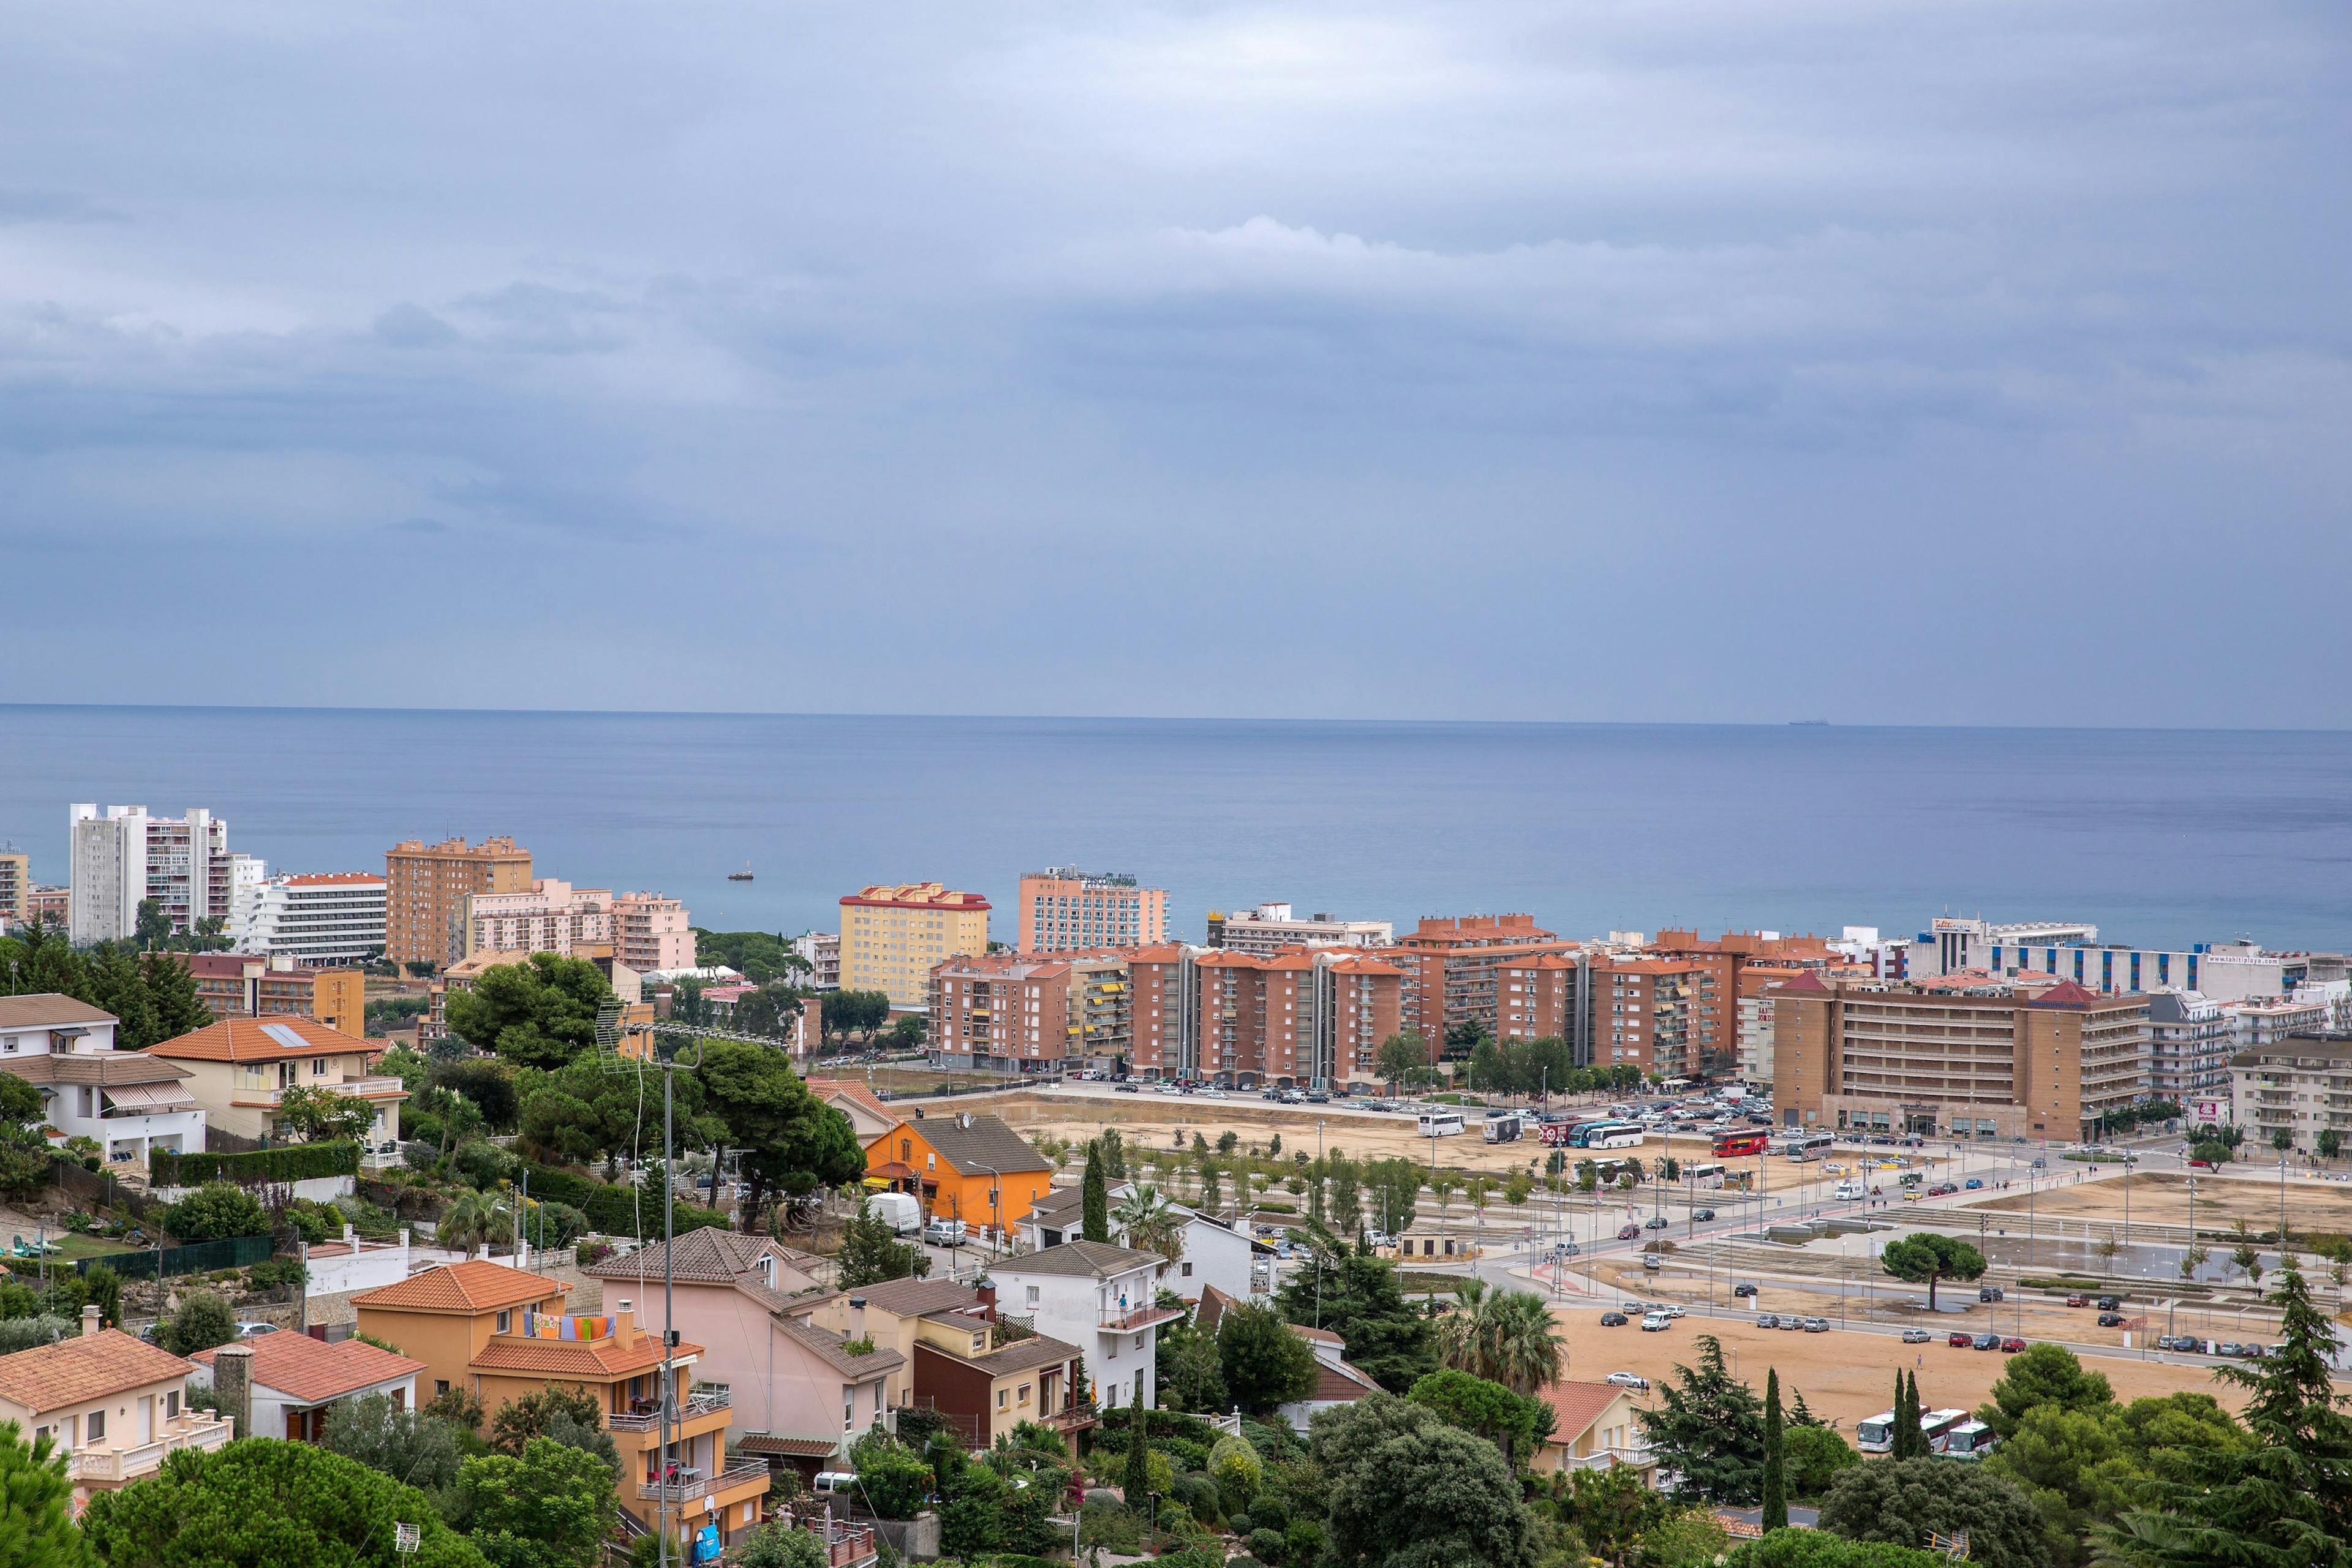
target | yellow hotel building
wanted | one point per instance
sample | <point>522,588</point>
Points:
<point>890,937</point>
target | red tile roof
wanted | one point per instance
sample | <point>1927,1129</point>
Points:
<point>469,1287</point>
<point>2066,993</point>
<point>1808,984</point>
<point>311,1371</point>
<point>86,1367</point>
<point>581,1360</point>
<point>1576,1407</point>
<point>253,1040</point>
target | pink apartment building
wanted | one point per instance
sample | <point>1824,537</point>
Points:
<point>650,932</point>
<point>553,917</point>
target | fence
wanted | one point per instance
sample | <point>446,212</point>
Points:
<point>197,1257</point>
<point>100,1187</point>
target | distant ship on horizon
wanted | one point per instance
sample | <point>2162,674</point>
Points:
<point>1806,723</point>
<point>743,875</point>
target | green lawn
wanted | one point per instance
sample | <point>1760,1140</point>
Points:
<point>74,1247</point>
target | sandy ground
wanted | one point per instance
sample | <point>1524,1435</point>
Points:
<point>2163,1196</point>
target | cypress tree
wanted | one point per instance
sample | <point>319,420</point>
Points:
<point>1094,1198</point>
<point>1896,1447</point>
<point>1138,1479</point>
<point>1911,1430</point>
<point>1775,1487</point>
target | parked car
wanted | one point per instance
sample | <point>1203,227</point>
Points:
<point>1767,1321</point>
<point>1655,1322</point>
<point>1629,1232</point>
<point>944,1233</point>
<point>2011,1345</point>
<point>1989,1293</point>
<point>1959,1340</point>
<point>2111,1320</point>
<point>2227,1347</point>
<point>248,1329</point>
<point>1124,1087</point>
<point>2202,1165</point>
<point>1612,1320</point>
<point>1564,1249</point>
<point>2111,1303</point>
<point>2078,1300</point>
<point>1702,1215</point>
<point>1817,1325</point>
<point>1651,1262</point>
<point>1659,1222</point>
<point>1914,1336</point>
<point>1985,1342</point>
<point>1627,1380</point>
<point>1974,1183</point>
<point>1743,1290</point>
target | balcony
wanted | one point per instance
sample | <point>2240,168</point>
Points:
<point>690,1487</point>
<point>702,1402</point>
<point>112,1466</point>
<point>1112,1320</point>
<point>1603,1458</point>
<point>1076,1417</point>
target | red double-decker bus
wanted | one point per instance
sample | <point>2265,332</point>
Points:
<point>1755,1140</point>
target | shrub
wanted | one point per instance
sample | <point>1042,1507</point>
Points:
<point>203,1321</point>
<point>1272,1512</point>
<point>23,1334</point>
<point>1266,1545</point>
<point>257,1167</point>
<point>1241,1524</point>
<point>272,1272</point>
<point>215,1210</point>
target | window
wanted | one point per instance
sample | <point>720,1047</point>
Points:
<point>752,1512</point>
<point>1024,1394</point>
<point>1188,1268</point>
<point>172,1405</point>
<point>318,1066</point>
<point>1033,1295</point>
<point>1003,1397</point>
<point>97,1425</point>
<point>506,1321</point>
<point>440,1386</point>
<point>849,1408</point>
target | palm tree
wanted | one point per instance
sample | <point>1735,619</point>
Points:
<point>1504,1336</point>
<point>473,1219</point>
<point>1151,1223</point>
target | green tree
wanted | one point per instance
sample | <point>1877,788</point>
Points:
<point>1234,1465</point>
<point>1924,1257</point>
<point>214,1211</point>
<point>568,1414</point>
<point>792,1141</point>
<point>320,1116</point>
<point>2043,1374</point>
<point>1137,1485</point>
<point>261,1503</point>
<point>1512,1422</point>
<point>779,1545</point>
<point>1113,1149</point>
<point>549,1507</point>
<point>1361,1299</point>
<point>1150,1223</point>
<point>1192,1375</point>
<point>474,1219</point>
<point>102,1287</point>
<point>1775,1486</point>
<point>2076,1468</point>
<point>1400,1057</point>
<point>409,1446</point>
<point>871,1251</point>
<point>1820,1549</point>
<point>1708,1427</point>
<point>1392,1190</point>
<point>1812,1458</point>
<point>152,926</point>
<point>973,1523</point>
<point>893,1480</point>
<point>1094,1199</point>
<point>1612,1509</point>
<point>1903,1500</point>
<point>203,1321</point>
<point>2283,1499</point>
<point>1508,1336</point>
<point>1407,1490</point>
<point>1265,1364</point>
<point>37,1527</point>
<point>540,1013</point>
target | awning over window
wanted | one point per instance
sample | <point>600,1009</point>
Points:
<point>144,1099</point>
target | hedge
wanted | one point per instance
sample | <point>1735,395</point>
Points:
<point>258,1167</point>
<point>612,1210</point>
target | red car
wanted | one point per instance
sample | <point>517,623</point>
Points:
<point>1958,1341</point>
<point>1629,1233</point>
<point>2078,1301</point>
<point>2011,1345</point>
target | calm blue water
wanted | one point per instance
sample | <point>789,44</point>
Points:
<point>2162,836</point>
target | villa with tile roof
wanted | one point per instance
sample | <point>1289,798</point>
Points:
<point>115,1406</point>
<point>986,1372</point>
<point>1593,1427</point>
<point>131,1102</point>
<point>239,1069</point>
<point>298,1381</point>
<point>967,1165</point>
<point>1097,1297</point>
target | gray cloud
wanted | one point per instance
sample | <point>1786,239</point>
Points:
<point>1980,364</point>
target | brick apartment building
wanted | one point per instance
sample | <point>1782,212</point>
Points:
<point>1020,1012</point>
<point>1297,1017</point>
<point>248,985</point>
<point>1969,1056</point>
<point>428,886</point>
<point>1450,967</point>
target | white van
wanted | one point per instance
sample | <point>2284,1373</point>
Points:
<point>834,1483</point>
<point>899,1211</point>
<point>1654,1322</point>
<point>1852,1189</point>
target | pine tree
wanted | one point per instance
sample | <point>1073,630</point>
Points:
<point>1776,1486</point>
<point>1094,1197</point>
<point>36,1526</point>
<point>2283,1502</point>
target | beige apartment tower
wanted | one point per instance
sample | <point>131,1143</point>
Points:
<point>15,889</point>
<point>1064,909</point>
<point>429,885</point>
<point>891,935</point>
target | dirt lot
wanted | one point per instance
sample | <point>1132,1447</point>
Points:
<point>2163,1196</point>
<point>1846,1375</point>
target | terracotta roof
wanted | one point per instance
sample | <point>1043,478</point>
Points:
<point>915,1298</point>
<point>1316,1336</point>
<point>261,1040</point>
<point>767,1443</point>
<point>584,1359</point>
<point>472,1287</point>
<point>105,1069</point>
<point>1094,1259</point>
<point>1212,1306</point>
<point>2067,993</point>
<point>985,1145</point>
<point>87,1367</point>
<point>849,1089</point>
<point>1361,965</point>
<point>916,896</point>
<point>1037,1349</point>
<point>706,1256</point>
<point>827,1345</point>
<point>1576,1407</point>
<point>1808,984</point>
<point>45,1007</point>
<point>1341,1383</point>
<point>311,1371</point>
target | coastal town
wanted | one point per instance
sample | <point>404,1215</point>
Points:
<point>515,1219</point>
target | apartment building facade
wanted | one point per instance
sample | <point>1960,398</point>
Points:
<point>15,887</point>
<point>1299,1018</point>
<point>1020,1012</point>
<point>820,950</point>
<point>549,916</point>
<point>324,919</point>
<point>2222,972</point>
<point>1267,929</point>
<point>1450,967</point>
<point>426,888</point>
<point>652,931</point>
<point>1961,1058</point>
<point>2191,1041</point>
<point>120,856</point>
<point>2299,1084</point>
<point>892,933</point>
<point>1066,909</point>
<point>246,985</point>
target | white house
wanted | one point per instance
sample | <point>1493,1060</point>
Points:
<point>1337,1380</point>
<point>129,1101</point>
<point>296,1380</point>
<point>1096,1296</point>
<point>1215,1253</point>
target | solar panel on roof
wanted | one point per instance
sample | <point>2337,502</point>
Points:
<point>284,1036</point>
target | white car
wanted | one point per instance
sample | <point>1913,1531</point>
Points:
<point>1627,1380</point>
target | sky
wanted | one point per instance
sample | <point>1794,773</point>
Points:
<point>1694,359</point>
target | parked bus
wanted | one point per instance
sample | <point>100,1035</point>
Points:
<point>1877,1436</point>
<point>1809,1146</point>
<point>1733,1146</point>
<point>1606,1135</point>
<point>1709,1177</point>
<point>1554,1134</point>
<point>1939,1425</point>
<point>1441,1123</point>
<point>1969,1440</point>
<point>1503,1127</point>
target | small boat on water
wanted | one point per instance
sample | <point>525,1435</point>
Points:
<point>743,875</point>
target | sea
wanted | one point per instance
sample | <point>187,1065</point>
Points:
<point>2163,837</point>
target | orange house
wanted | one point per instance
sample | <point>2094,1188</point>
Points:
<point>968,1166</point>
<point>500,1333</point>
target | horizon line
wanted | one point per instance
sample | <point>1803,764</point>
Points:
<point>1803,724</point>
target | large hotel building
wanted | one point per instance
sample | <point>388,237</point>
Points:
<point>1960,1056</point>
<point>428,886</point>
<point>1064,909</point>
<point>892,935</point>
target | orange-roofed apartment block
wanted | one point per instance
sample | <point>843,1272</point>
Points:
<point>1451,966</point>
<point>500,1333</point>
<point>891,935</point>
<point>1293,1018</point>
<point>240,1068</point>
<point>1028,1013</point>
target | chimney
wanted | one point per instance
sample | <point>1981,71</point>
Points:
<point>987,1289</point>
<point>857,1317</point>
<point>90,1324</point>
<point>233,1381</point>
<point>624,1321</point>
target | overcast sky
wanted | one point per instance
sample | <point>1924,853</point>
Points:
<point>1680,359</point>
